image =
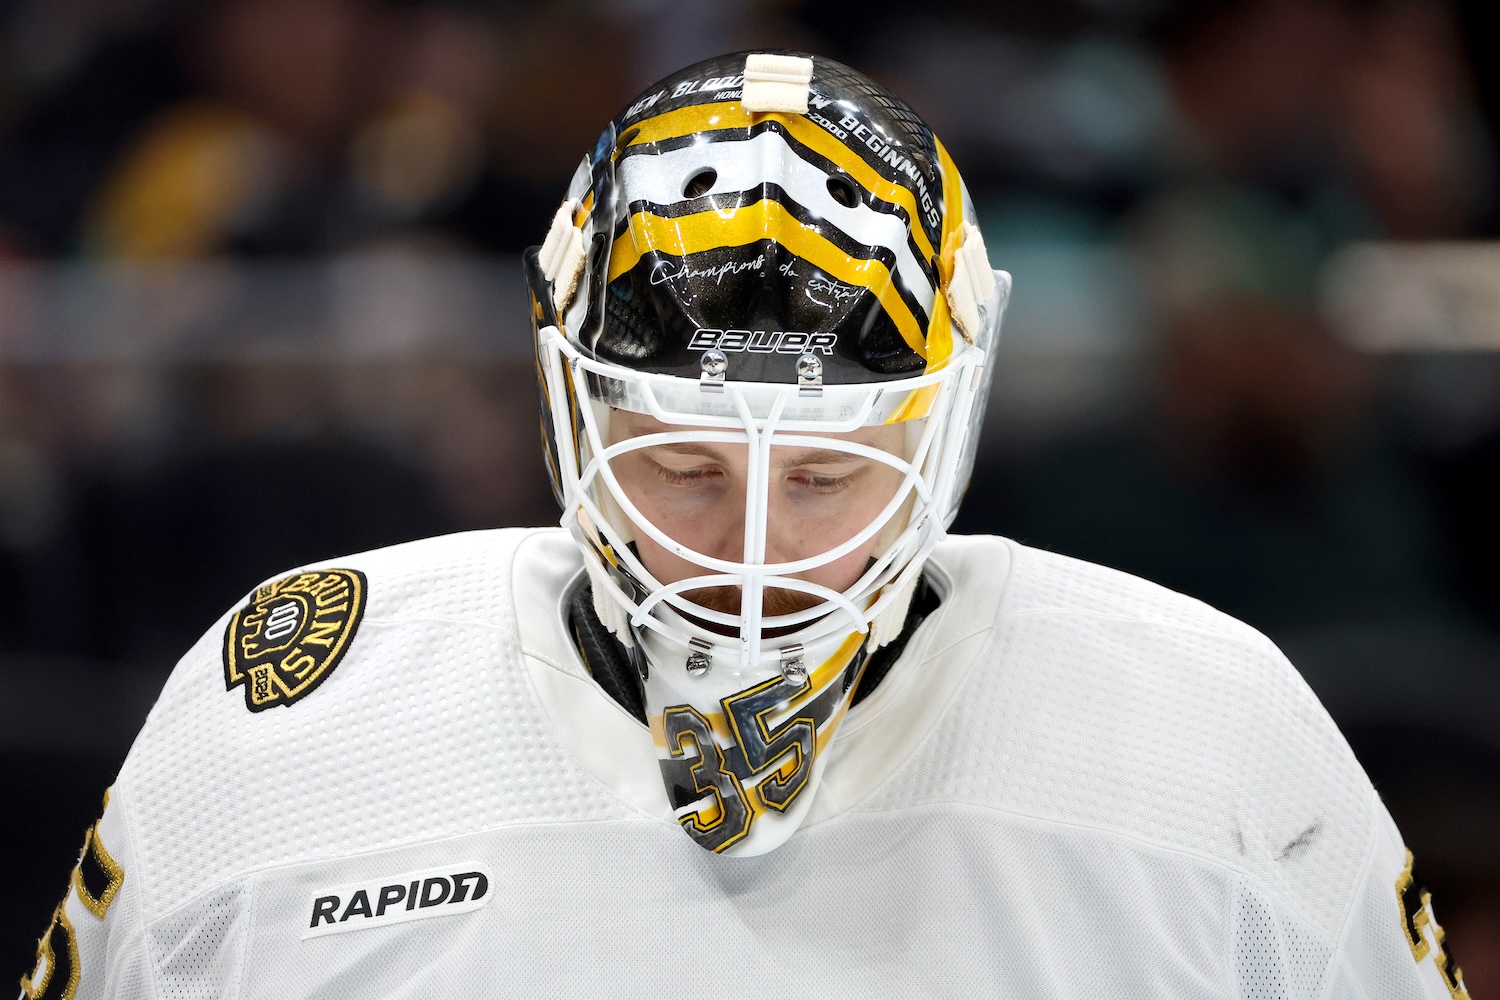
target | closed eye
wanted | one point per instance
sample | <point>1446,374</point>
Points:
<point>822,483</point>
<point>688,477</point>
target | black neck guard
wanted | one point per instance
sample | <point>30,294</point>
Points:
<point>615,667</point>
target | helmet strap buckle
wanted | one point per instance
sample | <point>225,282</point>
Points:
<point>809,375</point>
<point>700,657</point>
<point>713,366</point>
<point>793,667</point>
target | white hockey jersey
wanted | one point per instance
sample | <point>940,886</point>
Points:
<point>1071,784</point>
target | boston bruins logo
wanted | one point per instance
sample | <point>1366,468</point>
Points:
<point>291,634</point>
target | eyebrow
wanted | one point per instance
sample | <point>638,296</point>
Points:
<point>689,448</point>
<point>827,456</point>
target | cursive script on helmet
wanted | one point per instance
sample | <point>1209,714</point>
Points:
<point>668,270</point>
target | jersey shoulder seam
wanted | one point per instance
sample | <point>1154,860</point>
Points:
<point>1372,837</point>
<point>120,798</point>
<point>1246,635</point>
<point>1105,833</point>
<point>1092,829</point>
<point>248,876</point>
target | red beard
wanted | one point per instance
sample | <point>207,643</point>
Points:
<point>775,601</point>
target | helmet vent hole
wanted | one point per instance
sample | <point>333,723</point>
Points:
<point>843,192</point>
<point>700,183</point>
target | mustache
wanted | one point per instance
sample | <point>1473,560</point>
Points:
<point>774,601</point>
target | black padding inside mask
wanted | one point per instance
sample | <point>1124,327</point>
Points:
<point>924,601</point>
<point>607,659</point>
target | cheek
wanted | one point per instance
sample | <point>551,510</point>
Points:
<point>840,574</point>
<point>818,522</point>
<point>668,505</point>
<point>663,565</point>
<point>856,512</point>
<point>707,529</point>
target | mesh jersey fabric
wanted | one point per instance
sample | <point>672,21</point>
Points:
<point>1071,782</point>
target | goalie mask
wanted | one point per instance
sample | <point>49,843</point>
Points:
<point>763,316</point>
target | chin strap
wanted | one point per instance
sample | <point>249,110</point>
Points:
<point>610,614</point>
<point>892,621</point>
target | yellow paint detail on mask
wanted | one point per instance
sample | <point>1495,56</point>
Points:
<point>728,114</point>
<point>940,330</point>
<point>582,214</point>
<point>763,220</point>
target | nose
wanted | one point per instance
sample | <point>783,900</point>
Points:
<point>720,532</point>
<point>786,530</point>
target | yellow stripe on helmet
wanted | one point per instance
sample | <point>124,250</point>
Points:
<point>582,214</point>
<point>623,256</point>
<point>916,405</point>
<point>940,330</point>
<point>728,114</point>
<point>766,219</point>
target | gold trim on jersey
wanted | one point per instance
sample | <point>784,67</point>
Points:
<point>1448,970</point>
<point>1416,918</point>
<point>93,847</point>
<point>46,953</point>
<point>46,960</point>
<point>1413,917</point>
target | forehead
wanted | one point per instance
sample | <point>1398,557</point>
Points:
<point>628,424</point>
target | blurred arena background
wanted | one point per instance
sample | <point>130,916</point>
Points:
<point>260,304</point>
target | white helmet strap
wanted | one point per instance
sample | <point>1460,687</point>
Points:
<point>887,625</point>
<point>611,614</point>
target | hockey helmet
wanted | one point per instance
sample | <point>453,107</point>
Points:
<point>766,260</point>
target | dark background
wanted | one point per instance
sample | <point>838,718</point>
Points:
<point>260,304</point>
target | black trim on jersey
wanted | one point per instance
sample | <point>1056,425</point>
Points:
<point>613,666</point>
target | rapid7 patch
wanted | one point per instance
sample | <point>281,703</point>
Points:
<point>433,892</point>
<point>291,634</point>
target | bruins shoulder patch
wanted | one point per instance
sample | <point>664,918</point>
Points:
<point>291,634</point>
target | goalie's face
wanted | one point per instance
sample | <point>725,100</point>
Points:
<point>816,498</point>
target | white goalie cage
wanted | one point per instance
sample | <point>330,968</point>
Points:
<point>938,411</point>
